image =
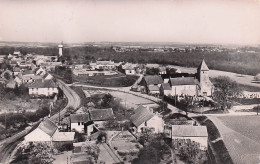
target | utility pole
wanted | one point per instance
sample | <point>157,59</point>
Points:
<point>5,124</point>
<point>175,97</point>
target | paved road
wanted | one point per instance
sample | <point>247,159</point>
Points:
<point>126,90</point>
<point>73,100</point>
<point>9,144</point>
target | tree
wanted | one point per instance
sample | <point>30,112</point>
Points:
<point>102,137</point>
<point>186,104</point>
<point>68,76</point>
<point>225,89</point>
<point>106,100</point>
<point>7,76</point>
<point>162,107</point>
<point>188,152</point>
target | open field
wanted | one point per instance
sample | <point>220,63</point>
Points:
<point>248,126</point>
<point>243,148</point>
<point>245,80</point>
<point>107,80</point>
<point>131,101</point>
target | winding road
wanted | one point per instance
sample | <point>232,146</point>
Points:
<point>8,145</point>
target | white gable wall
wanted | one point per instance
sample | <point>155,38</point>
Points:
<point>37,136</point>
<point>155,122</point>
<point>79,127</point>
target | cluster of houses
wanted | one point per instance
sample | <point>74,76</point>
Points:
<point>143,121</point>
<point>31,71</point>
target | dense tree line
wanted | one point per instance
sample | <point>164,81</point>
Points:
<point>229,60</point>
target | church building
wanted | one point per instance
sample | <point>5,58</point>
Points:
<point>195,85</point>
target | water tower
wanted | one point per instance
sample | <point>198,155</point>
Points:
<point>60,49</point>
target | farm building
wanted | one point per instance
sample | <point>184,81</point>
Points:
<point>189,134</point>
<point>144,119</point>
<point>43,88</point>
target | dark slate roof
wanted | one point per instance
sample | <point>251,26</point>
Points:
<point>48,127</point>
<point>203,66</point>
<point>43,84</point>
<point>183,81</point>
<point>150,80</point>
<point>189,131</point>
<point>28,72</point>
<point>101,114</point>
<point>141,115</point>
<point>75,118</point>
<point>166,86</point>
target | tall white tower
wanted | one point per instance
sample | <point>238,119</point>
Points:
<point>60,49</point>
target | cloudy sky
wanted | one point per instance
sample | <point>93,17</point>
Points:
<point>188,21</point>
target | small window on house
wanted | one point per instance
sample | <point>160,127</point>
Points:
<point>78,123</point>
<point>82,123</point>
<point>145,123</point>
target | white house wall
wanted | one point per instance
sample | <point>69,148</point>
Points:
<point>78,128</point>
<point>156,122</point>
<point>190,90</point>
<point>43,91</point>
<point>37,136</point>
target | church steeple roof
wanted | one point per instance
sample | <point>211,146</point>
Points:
<point>203,66</point>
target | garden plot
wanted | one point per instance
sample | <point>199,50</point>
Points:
<point>126,145</point>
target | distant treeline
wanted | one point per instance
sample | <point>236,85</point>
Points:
<point>231,60</point>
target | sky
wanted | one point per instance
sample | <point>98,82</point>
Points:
<point>185,21</point>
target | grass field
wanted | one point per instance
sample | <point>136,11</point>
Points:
<point>108,80</point>
<point>248,126</point>
<point>241,137</point>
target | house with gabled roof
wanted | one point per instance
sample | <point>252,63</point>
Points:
<point>40,71</point>
<point>43,88</point>
<point>144,120</point>
<point>165,89</point>
<point>151,80</point>
<point>181,134</point>
<point>11,84</point>
<point>18,80</point>
<point>130,70</point>
<point>47,76</point>
<point>101,114</point>
<point>82,123</point>
<point>2,58</point>
<point>48,132</point>
<point>43,133</point>
<point>30,78</point>
<point>16,70</point>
